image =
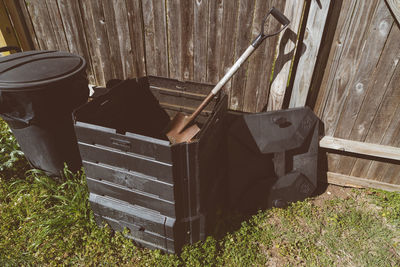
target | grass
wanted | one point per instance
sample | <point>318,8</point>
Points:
<point>47,222</point>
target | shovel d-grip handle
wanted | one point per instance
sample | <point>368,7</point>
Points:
<point>282,19</point>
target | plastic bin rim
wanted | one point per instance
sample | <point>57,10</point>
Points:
<point>42,84</point>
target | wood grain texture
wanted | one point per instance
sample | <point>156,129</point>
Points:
<point>315,25</point>
<point>286,49</point>
<point>394,6</point>
<point>96,34</point>
<point>260,63</point>
<point>44,31</point>
<point>374,101</point>
<point>149,34</point>
<point>347,49</point>
<point>351,181</point>
<point>16,14</point>
<point>363,148</point>
<point>136,28</point>
<point>57,25</point>
<point>187,35</point>
<point>354,120</point>
<point>214,35</point>
<point>116,35</point>
<point>29,24</point>
<point>75,33</point>
<point>155,32</point>
<point>229,32</point>
<point>174,38</point>
<point>242,41</point>
<point>200,40</point>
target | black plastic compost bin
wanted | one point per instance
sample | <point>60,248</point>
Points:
<point>166,195</point>
<point>38,92</point>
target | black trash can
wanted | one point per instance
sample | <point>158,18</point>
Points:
<point>38,92</point>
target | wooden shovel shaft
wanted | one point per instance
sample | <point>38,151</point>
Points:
<point>222,82</point>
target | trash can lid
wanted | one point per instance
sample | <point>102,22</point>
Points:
<point>33,70</point>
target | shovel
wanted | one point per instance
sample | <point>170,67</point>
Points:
<point>180,128</point>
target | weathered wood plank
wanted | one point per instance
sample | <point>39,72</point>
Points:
<point>214,35</point>
<point>149,35</point>
<point>351,181</point>
<point>369,149</point>
<point>174,38</point>
<point>8,36</point>
<point>20,24</point>
<point>242,41</point>
<point>97,39</point>
<point>75,33</point>
<point>315,25</point>
<point>117,35</point>
<point>394,6</point>
<point>378,170</point>
<point>57,25</point>
<point>187,27</point>
<point>380,126</point>
<point>29,24</point>
<point>136,27</point>
<point>371,124</point>
<point>286,48</point>
<point>367,86</point>
<point>227,47</point>
<point>260,63</point>
<point>44,31</point>
<point>200,40</point>
<point>262,93</point>
<point>347,49</point>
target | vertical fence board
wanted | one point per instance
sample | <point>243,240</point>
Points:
<point>315,25</point>
<point>347,53</point>
<point>174,38</point>
<point>286,49</point>
<point>29,24</point>
<point>377,90</point>
<point>149,33</point>
<point>116,34</point>
<point>95,28</point>
<point>135,22</point>
<point>57,26</point>
<point>200,40</point>
<point>357,89</point>
<point>214,35</point>
<point>228,39</point>
<point>45,33</point>
<point>26,37</point>
<point>242,41</point>
<point>75,33</point>
<point>187,13</point>
<point>260,64</point>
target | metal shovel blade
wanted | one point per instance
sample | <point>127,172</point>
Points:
<point>178,133</point>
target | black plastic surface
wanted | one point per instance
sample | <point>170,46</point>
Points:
<point>166,195</point>
<point>38,92</point>
<point>33,70</point>
<point>272,158</point>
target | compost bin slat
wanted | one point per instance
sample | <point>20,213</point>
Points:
<point>127,161</point>
<point>131,196</point>
<point>140,216</point>
<point>130,179</point>
<point>129,143</point>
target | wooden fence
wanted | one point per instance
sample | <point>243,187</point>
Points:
<point>341,57</point>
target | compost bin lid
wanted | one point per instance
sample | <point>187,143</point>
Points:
<point>33,70</point>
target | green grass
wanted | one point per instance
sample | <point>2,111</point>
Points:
<point>47,222</point>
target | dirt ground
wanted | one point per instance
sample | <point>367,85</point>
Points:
<point>327,192</point>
